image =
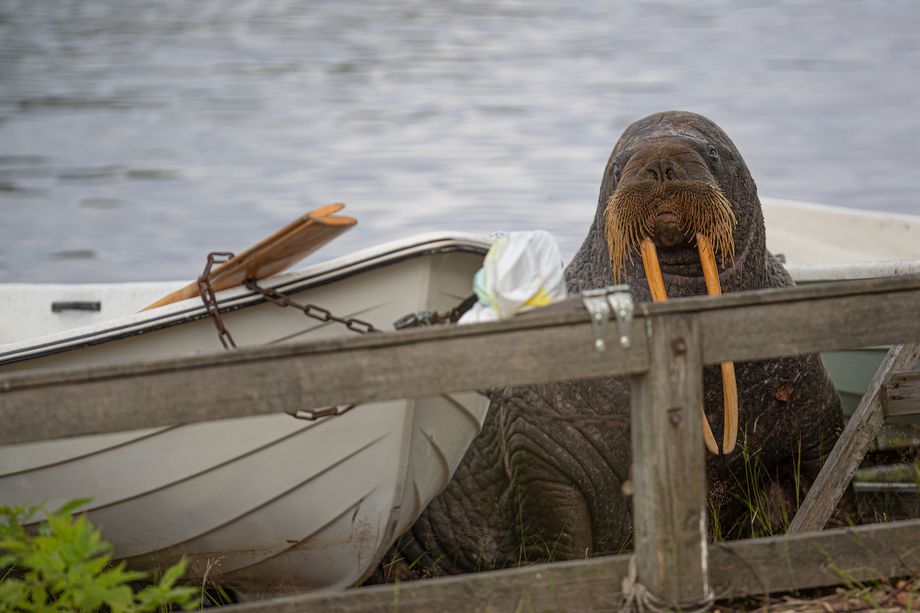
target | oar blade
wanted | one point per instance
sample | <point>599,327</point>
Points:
<point>278,256</point>
<point>273,254</point>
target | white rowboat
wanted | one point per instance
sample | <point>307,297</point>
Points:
<point>269,503</point>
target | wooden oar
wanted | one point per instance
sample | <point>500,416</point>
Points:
<point>273,254</point>
<point>656,287</point>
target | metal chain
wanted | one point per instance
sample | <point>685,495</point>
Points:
<point>429,318</point>
<point>311,310</point>
<point>210,300</point>
<point>314,414</point>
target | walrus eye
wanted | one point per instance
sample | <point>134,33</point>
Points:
<point>616,170</point>
<point>713,153</point>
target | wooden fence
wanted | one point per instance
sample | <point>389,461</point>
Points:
<point>670,344</point>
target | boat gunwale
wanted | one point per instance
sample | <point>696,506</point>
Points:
<point>292,283</point>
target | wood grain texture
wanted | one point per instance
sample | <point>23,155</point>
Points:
<point>902,393</point>
<point>796,327</point>
<point>554,345</point>
<point>778,322</point>
<point>740,568</point>
<point>698,304</point>
<point>272,379</point>
<point>852,446</point>
<point>668,470</point>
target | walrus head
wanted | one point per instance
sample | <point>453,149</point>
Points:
<point>672,178</point>
<point>678,215</point>
<point>666,193</point>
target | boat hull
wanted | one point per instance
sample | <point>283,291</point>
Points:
<point>270,503</point>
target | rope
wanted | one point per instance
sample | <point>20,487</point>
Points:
<point>637,598</point>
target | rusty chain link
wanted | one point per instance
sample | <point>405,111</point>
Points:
<point>433,318</point>
<point>311,310</point>
<point>210,300</point>
<point>314,414</point>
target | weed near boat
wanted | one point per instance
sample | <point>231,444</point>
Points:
<point>65,565</point>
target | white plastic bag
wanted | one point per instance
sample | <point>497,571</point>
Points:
<point>522,271</point>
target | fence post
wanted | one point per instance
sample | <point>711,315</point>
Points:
<point>669,503</point>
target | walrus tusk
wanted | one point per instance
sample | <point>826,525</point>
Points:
<point>708,437</point>
<point>657,290</point>
<point>729,385</point>
<point>653,271</point>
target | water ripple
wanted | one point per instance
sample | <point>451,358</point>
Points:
<point>219,122</point>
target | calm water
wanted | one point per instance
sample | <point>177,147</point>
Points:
<point>135,136</point>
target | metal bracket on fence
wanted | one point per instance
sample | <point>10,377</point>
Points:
<point>621,304</point>
<point>599,303</point>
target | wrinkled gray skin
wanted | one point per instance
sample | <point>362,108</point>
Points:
<point>533,489</point>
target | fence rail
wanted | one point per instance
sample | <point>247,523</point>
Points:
<point>753,567</point>
<point>554,345</point>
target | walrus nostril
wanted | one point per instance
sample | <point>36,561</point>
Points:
<point>671,170</point>
<point>663,169</point>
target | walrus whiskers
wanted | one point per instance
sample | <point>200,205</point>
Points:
<point>631,210</point>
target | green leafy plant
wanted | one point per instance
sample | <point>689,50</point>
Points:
<point>64,565</point>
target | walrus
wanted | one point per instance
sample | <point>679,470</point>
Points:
<point>676,190</point>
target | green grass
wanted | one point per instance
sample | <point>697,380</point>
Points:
<point>767,511</point>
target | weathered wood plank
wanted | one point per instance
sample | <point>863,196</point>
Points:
<point>273,379</point>
<point>852,446</point>
<point>817,559</point>
<point>740,568</point>
<point>552,346</point>
<point>570,309</point>
<point>778,322</point>
<point>902,394</point>
<point>792,328</point>
<point>668,469</point>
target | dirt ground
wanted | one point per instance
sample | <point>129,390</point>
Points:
<point>899,595</point>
